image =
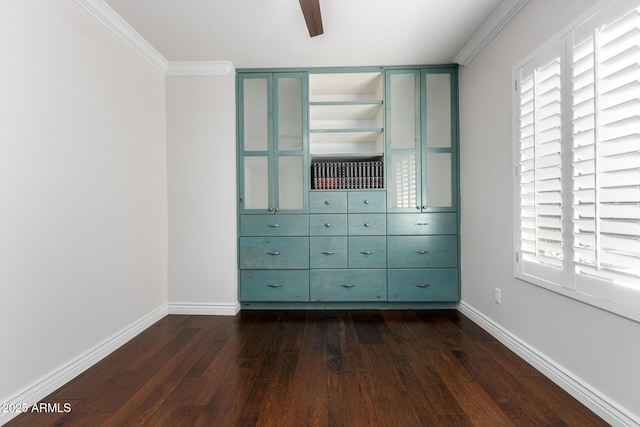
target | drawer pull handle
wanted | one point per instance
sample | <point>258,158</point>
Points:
<point>366,224</point>
<point>327,225</point>
<point>274,285</point>
<point>328,253</point>
<point>347,285</point>
<point>422,252</point>
<point>273,253</point>
<point>273,225</point>
<point>423,285</point>
<point>327,202</point>
<point>366,202</point>
<point>422,223</point>
<point>366,252</point>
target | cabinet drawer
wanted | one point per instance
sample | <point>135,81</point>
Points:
<point>367,201</point>
<point>347,285</point>
<point>423,285</point>
<point>274,285</point>
<point>327,202</point>
<point>368,252</point>
<point>274,253</point>
<point>328,252</point>
<point>328,225</point>
<point>422,223</point>
<point>274,225</point>
<point>422,251</point>
<point>367,224</point>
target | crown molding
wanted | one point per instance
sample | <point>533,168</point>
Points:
<point>121,28</point>
<point>496,22</point>
<point>114,22</point>
<point>199,68</point>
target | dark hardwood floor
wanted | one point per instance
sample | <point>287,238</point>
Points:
<point>313,368</point>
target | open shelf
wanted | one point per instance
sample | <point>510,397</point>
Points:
<point>345,87</point>
<point>346,114</point>
<point>342,115</point>
<point>353,143</point>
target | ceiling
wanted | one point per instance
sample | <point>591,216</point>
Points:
<point>272,33</point>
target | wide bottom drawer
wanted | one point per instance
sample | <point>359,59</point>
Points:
<point>423,285</point>
<point>274,285</point>
<point>347,285</point>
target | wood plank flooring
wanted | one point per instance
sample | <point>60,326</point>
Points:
<point>313,368</point>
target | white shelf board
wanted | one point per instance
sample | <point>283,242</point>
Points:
<point>344,111</point>
<point>351,135</point>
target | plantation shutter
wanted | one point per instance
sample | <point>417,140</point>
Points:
<point>539,166</point>
<point>605,79</point>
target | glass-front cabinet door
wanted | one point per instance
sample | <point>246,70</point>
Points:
<point>421,131</point>
<point>272,115</point>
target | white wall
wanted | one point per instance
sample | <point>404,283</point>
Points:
<point>83,206</point>
<point>597,347</point>
<point>201,146</point>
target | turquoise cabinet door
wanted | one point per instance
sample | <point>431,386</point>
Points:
<point>422,251</point>
<point>422,134</point>
<point>328,252</point>
<point>272,140</point>
<point>258,253</point>
<point>425,223</point>
<point>274,285</point>
<point>347,285</point>
<point>367,252</point>
<point>425,285</point>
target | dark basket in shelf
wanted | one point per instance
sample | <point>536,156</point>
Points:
<point>347,175</point>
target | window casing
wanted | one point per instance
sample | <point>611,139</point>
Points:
<point>577,160</point>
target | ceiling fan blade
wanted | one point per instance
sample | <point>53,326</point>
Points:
<point>311,12</point>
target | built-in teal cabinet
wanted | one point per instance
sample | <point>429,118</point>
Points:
<point>348,187</point>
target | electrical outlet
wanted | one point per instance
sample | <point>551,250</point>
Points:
<point>497,295</point>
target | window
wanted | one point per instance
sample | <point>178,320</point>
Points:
<point>577,158</point>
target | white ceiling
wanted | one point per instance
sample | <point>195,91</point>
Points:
<point>272,33</point>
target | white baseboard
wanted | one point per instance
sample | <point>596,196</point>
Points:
<point>229,309</point>
<point>605,407</point>
<point>50,382</point>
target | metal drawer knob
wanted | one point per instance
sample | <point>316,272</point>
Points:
<point>274,285</point>
<point>366,252</point>
<point>423,285</point>
<point>273,253</point>
<point>327,202</point>
<point>327,225</point>
<point>328,252</point>
<point>347,285</point>
<point>366,202</point>
<point>422,252</point>
<point>366,224</point>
